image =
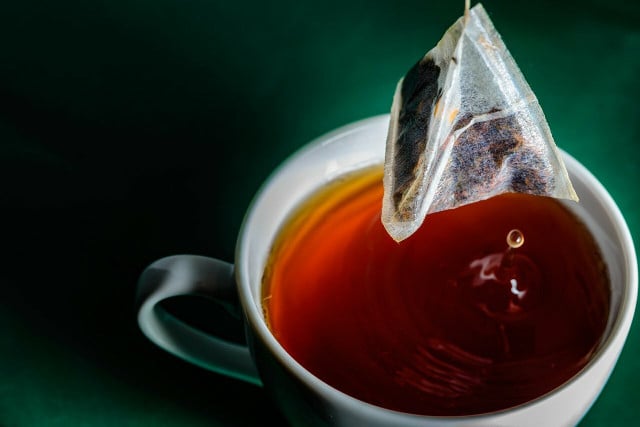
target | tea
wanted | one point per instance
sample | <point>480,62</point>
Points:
<point>454,320</point>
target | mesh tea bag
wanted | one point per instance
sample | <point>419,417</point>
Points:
<point>465,126</point>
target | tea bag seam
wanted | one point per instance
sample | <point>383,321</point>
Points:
<point>496,62</point>
<point>520,105</point>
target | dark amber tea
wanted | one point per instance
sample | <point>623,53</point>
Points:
<point>485,307</point>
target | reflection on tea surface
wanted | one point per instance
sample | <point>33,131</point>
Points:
<point>462,317</point>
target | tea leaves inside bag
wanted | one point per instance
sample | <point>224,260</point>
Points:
<point>465,126</point>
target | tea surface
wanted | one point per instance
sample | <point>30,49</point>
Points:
<point>451,321</point>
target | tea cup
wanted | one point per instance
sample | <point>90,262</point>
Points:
<point>304,399</point>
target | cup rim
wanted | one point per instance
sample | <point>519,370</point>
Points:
<point>255,316</point>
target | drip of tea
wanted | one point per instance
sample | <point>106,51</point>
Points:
<point>485,307</point>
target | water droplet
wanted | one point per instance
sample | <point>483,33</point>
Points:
<point>515,238</point>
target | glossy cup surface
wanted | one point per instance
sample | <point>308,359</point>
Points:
<point>306,400</point>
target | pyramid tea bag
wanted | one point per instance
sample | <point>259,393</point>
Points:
<point>465,126</point>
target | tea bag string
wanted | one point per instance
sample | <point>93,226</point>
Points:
<point>466,11</point>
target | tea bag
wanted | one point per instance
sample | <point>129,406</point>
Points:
<point>465,126</point>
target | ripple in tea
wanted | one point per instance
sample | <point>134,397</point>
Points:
<point>453,320</point>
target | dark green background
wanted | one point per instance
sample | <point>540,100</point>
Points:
<point>135,129</point>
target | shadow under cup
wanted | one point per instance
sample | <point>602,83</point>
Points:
<point>305,399</point>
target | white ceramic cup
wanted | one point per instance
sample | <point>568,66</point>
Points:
<point>304,399</point>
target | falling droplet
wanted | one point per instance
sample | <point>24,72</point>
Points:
<point>515,238</point>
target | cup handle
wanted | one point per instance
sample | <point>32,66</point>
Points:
<point>193,275</point>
